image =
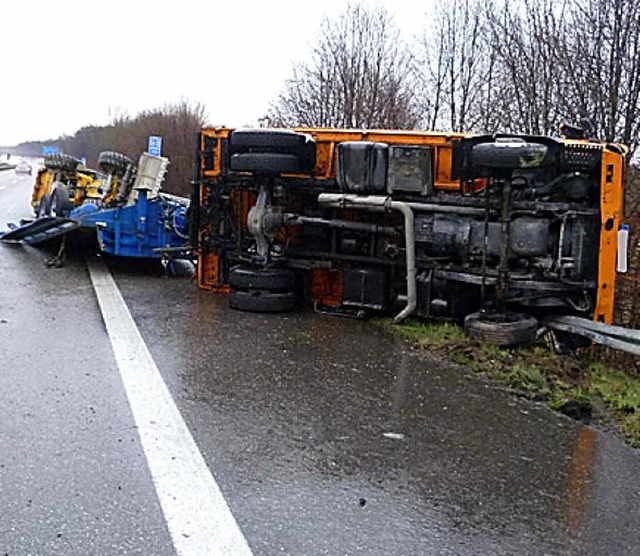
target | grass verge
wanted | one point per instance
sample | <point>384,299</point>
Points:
<point>576,385</point>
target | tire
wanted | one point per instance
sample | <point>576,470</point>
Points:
<point>260,301</point>
<point>43,208</point>
<point>266,140</point>
<point>113,163</point>
<point>275,279</point>
<point>503,154</point>
<point>51,162</point>
<point>63,162</point>
<point>510,330</point>
<point>270,163</point>
<point>61,204</point>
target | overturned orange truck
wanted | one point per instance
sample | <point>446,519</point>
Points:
<point>493,230</point>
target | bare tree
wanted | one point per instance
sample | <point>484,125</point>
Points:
<point>526,66</point>
<point>524,46</point>
<point>359,75</point>
<point>600,59</point>
<point>454,66</point>
<point>177,124</point>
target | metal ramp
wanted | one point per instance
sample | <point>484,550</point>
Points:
<point>43,229</point>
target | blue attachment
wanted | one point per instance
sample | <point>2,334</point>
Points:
<point>180,222</point>
<point>137,230</point>
<point>82,211</point>
<point>41,230</point>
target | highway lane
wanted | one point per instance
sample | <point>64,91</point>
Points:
<point>73,478</point>
<point>325,436</point>
<point>15,190</point>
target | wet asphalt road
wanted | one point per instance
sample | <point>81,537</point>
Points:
<point>73,478</point>
<point>290,414</point>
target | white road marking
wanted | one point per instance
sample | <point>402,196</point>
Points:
<point>2,187</point>
<point>197,515</point>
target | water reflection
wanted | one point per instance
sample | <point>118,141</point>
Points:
<point>300,400</point>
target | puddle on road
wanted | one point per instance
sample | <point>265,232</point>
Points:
<point>282,403</point>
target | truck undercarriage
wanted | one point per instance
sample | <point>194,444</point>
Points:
<point>418,223</point>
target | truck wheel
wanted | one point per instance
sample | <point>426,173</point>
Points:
<point>63,162</point>
<point>508,153</point>
<point>271,163</point>
<point>506,330</point>
<point>274,141</point>
<point>51,162</point>
<point>111,162</point>
<point>262,301</point>
<point>276,279</point>
<point>43,208</point>
<point>61,203</point>
<point>266,139</point>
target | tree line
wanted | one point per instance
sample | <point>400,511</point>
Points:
<point>479,66</point>
<point>177,124</point>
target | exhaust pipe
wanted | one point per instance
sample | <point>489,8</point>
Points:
<point>375,203</point>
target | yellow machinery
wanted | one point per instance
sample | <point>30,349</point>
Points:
<point>41,195</point>
<point>64,184</point>
<point>119,176</point>
<point>57,184</point>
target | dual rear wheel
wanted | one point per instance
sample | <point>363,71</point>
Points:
<point>271,151</point>
<point>260,290</point>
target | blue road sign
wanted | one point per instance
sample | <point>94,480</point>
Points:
<point>155,145</point>
<point>46,151</point>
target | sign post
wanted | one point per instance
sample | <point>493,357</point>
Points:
<point>155,145</point>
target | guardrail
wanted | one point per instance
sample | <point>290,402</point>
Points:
<point>616,337</point>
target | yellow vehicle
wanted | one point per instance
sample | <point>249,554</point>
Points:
<point>41,195</point>
<point>54,183</point>
<point>495,231</point>
<point>119,176</point>
<point>64,184</point>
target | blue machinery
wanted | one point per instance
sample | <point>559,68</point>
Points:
<point>144,229</point>
<point>150,225</point>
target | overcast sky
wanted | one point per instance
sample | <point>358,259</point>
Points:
<point>67,64</point>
